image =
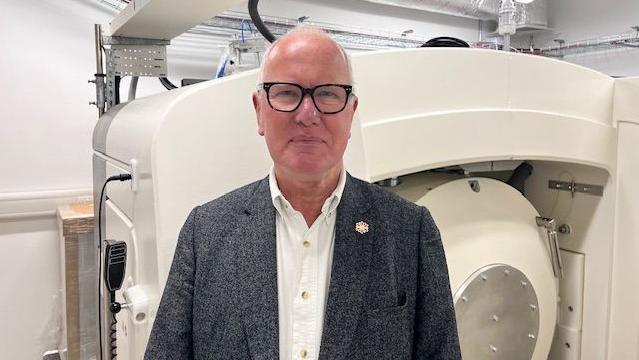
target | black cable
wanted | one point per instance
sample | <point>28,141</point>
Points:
<point>167,83</point>
<point>257,20</point>
<point>120,177</point>
<point>445,41</point>
<point>113,336</point>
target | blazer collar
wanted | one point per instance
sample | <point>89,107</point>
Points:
<point>257,270</point>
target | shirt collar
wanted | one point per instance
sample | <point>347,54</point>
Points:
<point>330,204</point>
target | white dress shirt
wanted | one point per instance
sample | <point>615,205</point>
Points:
<point>304,260</point>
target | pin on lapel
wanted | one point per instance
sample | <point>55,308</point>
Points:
<point>361,227</point>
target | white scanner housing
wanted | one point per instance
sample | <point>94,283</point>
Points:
<point>419,109</point>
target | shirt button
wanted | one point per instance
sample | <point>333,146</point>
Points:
<point>305,295</point>
<point>303,353</point>
<point>306,244</point>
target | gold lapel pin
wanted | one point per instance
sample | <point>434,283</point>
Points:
<point>361,227</point>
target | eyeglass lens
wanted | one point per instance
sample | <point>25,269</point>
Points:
<point>327,98</point>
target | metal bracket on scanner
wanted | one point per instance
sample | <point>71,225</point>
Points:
<point>574,187</point>
<point>553,243</point>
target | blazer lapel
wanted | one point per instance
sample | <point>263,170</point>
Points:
<point>257,269</point>
<point>349,275</point>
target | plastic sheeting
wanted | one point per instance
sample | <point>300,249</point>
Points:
<point>77,339</point>
<point>534,14</point>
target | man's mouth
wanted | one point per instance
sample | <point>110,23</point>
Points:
<point>303,139</point>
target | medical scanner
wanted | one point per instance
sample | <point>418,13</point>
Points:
<point>543,270</point>
<point>573,125</point>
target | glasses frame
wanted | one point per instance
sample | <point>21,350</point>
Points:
<point>266,86</point>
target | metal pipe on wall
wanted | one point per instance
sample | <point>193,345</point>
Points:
<point>98,48</point>
<point>99,72</point>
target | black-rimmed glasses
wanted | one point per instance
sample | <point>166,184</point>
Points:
<point>287,97</point>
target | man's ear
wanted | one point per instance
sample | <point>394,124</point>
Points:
<point>258,109</point>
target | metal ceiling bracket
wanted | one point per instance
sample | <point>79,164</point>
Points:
<point>132,57</point>
<point>574,187</point>
<point>137,60</point>
<point>122,40</point>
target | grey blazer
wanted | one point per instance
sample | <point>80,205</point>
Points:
<point>389,295</point>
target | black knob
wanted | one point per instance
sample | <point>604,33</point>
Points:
<point>115,307</point>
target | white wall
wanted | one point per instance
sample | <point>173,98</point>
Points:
<point>47,58</point>
<point>583,19</point>
<point>29,304</point>
<point>46,124</point>
<point>574,20</point>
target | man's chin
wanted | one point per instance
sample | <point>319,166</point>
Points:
<point>310,167</point>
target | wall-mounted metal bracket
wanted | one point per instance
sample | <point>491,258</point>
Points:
<point>137,60</point>
<point>132,57</point>
<point>122,40</point>
<point>576,187</point>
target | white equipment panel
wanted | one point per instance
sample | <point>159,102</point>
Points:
<point>485,222</point>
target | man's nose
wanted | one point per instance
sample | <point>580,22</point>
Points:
<point>307,113</point>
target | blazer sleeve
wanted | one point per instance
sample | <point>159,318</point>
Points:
<point>435,326</point>
<point>171,336</point>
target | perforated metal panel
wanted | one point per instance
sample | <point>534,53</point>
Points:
<point>497,314</point>
<point>137,60</point>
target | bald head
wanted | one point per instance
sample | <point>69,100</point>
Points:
<point>303,40</point>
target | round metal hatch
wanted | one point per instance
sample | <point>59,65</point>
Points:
<point>497,314</point>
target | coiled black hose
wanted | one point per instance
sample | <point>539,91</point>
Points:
<point>257,20</point>
<point>519,176</point>
<point>113,336</point>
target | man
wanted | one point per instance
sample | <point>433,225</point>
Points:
<point>308,263</point>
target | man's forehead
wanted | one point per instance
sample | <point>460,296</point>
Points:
<point>304,45</point>
<point>305,49</point>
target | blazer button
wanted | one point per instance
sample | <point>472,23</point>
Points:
<point>305,295</point>
<point>303,353</point>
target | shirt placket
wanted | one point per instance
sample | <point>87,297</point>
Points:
<point>306,298</point>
